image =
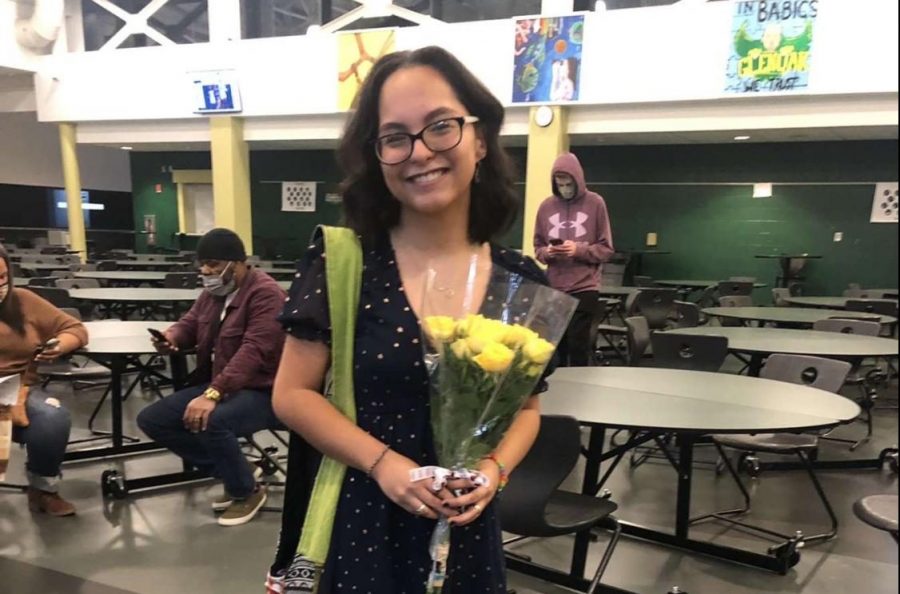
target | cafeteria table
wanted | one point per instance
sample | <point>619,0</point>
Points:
<point>654,402</point>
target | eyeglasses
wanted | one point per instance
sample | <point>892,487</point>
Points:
<point>438,137</point>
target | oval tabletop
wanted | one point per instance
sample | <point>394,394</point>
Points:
<point>822,302</point>
<point>146,264</point>
<point>124,275</point>
<point>135,294</point>
<point>20,282</point>
<point>798,342</point>
<point>691,401</point>
<point>698,284</point>
<point>113,337</point>
<point>788,315</point>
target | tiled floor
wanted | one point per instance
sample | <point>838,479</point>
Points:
<point>168,542</point>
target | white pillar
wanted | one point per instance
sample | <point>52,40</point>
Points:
<point>556,7</point>
<point>224,20</point>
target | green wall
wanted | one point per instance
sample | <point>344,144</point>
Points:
<point>714,229</point>
<point>683,193</point>
<point>148,170</point>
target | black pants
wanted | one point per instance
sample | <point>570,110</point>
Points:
<point>576,348</point>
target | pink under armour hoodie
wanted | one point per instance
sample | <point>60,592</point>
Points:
<point>584,220</point>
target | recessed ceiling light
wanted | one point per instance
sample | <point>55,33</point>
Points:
<point>742,137</point>
<point>127,148</point>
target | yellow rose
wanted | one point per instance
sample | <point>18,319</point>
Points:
<point>465,326</point>
<point>460,349</point>
<point>517,336</point>
<point>483,331</point>
<point>440,328</point>
<point>538,351</point>
<point>495,358</point>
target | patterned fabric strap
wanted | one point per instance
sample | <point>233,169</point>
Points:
<point>343,271</point>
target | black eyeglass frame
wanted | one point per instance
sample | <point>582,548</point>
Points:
<point>461,121</point>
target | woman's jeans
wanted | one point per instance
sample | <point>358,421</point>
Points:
<point>44,439</point>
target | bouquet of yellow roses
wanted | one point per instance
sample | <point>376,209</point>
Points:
<point>482,368</point>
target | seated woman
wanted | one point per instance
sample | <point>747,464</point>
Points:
<point>41,424</point>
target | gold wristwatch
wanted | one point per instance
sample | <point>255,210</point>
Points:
<point>212,394</point>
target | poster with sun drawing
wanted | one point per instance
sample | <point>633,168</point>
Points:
<point>298,196</point>
<point>885,203</point>
<point>357,53</point>
<point>548,57</point>
<point>771,46</point>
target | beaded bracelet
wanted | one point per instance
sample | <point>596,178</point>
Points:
<point>504,476</point>
<point>378,460</point>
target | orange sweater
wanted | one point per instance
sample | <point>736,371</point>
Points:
<point>43,321</point>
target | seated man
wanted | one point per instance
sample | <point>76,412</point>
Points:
<point>238,340</point>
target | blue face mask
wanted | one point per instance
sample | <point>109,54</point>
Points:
<point>216,284</point>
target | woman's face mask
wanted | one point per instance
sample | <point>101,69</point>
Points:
<point>4,291</point>
<point>217,285</point>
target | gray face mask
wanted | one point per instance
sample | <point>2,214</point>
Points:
<point>567,192</point>
<point>4,291</point>
<point>216,285</point>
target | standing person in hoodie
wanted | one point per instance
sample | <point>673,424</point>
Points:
<point>573,238</point>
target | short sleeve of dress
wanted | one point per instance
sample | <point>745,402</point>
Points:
<point>305,314</point>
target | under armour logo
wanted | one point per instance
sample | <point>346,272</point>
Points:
<point>578,224</point>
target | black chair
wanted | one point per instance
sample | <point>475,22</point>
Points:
<point>107,265</point>
<point>58,297</point>
<point>532,506</point>
<point>735,288</point>
<point>881,307</point>
<point>824,374</point>
<point>685,315</point>
<point>638,339</point>
<point>644,281</point>
<point>879,511</point>
<point>42,281</point>
<point>654,304</point>
<point>688,351</point>
<point>867,378</point>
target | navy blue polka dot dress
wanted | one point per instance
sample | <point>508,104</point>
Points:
<point>378,547</point>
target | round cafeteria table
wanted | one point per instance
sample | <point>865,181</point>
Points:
<point>124,300</point>
<point>652,402</point>
<point>761,342</point>
<point>822,302</point>
<point>795,316</point>
<point>131,277</point>
<point>118,345</point>
<point>697,285</point>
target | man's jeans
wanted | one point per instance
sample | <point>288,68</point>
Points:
<point>44,439</point>
<point>216,450</point>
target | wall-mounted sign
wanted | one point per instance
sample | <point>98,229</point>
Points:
<point>885,203</point>
<point>215,91</point>
<point>298,196</point>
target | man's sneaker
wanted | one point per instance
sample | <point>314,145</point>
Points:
<point>242,511</point>
<point>49,503</point>
<point>222,502</point>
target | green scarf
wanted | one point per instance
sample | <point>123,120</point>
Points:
<point>343,274</point>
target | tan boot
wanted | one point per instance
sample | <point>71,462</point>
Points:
<point>49,503</point>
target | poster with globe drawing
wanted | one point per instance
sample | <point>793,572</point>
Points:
<point>885,203</point>
<point>771,46</point>
<point>298,196</point>
<point>548,59</point>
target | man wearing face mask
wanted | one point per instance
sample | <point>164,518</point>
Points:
<point>233,328</point>
<point>572,236</point>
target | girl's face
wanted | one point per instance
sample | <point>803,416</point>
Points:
<point>428,182</point>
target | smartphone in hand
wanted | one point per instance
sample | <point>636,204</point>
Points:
<point>46,346</point>
<point>555,242</point>
<point>157,335</point>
